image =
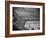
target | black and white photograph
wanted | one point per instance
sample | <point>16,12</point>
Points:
<point>25,18</point>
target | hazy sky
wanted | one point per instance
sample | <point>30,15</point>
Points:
<point>27,12</point>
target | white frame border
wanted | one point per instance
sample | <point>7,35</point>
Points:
<point>27,31</point>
